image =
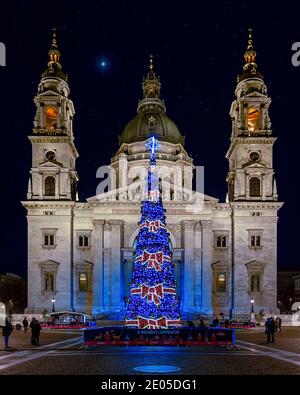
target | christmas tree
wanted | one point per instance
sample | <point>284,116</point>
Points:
<point>153,303</point>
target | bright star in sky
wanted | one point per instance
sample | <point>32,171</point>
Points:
<point>103,64</point>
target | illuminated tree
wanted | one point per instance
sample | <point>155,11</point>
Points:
<point>153,302</point>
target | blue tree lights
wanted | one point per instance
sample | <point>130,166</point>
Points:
<point>153,303</point>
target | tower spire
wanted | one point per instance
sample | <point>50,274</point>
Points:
<point>250,69</point>
<point>54,67</point>
<point>54,41</point>
<point>151,90</point>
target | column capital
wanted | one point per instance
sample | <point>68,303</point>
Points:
<point>189,224</point>
<point>115,222</point>
<point>127,254</point>
<point>206,223</point>
<point>98,224</point>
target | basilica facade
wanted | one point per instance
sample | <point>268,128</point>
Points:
<point>81,253</point>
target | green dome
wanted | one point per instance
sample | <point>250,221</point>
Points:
<point>147,124</point>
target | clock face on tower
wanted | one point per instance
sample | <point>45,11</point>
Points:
<point>50,155</point>
<point>254,156</point>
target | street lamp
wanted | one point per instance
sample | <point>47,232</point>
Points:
<point>53,307</point>
<point>252,314</point>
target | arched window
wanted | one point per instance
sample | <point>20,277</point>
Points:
<point>221,282</point>
<point>253,119</point>
<point>254,187</point>
<point>83,282</point>
<point>255,283</point>
<point>51,117</point>
<point>50,186</point>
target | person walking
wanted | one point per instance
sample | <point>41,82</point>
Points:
<point>25,325</point>
<point>270,330</point>
<point>35,332</point>
<point>6,332</point>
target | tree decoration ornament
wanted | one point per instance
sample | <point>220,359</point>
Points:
<point>153,303</point>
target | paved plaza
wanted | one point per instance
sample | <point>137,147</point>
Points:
<point>60,353</point>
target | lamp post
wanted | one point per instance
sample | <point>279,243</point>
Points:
<point>53,307</point>
<point>291,304</point>
<point>252,314</point>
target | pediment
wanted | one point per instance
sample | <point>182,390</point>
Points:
<point>111,195</point>
<point>255,165</point>
<point>255,93</point>
<point>255,264</point>
<point>49,92</point>
<point>49,263</point>
<point>51,163</point>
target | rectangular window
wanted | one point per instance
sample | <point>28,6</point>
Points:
<point>49,240</point>
<point>83,241</point>
<point>255,241</point>
<point>221,241</point>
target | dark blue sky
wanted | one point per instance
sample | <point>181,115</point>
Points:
<point>198,49</point>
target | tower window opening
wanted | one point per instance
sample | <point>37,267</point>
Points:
<point>50,186</point>
<point>253,119</point>
<point>255,187</point>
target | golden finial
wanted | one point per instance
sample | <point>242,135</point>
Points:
<point>54,41</point>
<point>151,63</point>
<point>250,41</point>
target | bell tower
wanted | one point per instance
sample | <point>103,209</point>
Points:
<point>250,155</point>
<point>53,171</point>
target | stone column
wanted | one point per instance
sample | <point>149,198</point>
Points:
<point>198,267</point>
<point>189,266</point>
<point>207,245</point>
<point>123,180</point>
<point>188,180</point>
<point>98,266</point>
<point>106,266</point>
<point>115,280</point>
<point>177,182</point>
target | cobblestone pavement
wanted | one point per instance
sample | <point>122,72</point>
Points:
<point>60,354</point>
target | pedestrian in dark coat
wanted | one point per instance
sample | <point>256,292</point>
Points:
<point>25,325</point>
<point>35,332</point>
<point>270,330</point>
<point>6,332</point>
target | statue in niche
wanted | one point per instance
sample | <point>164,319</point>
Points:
<point>49,281</point>
<point>255,282</point>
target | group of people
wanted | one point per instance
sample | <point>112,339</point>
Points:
<point>34,325</point>
<point>272,326</point>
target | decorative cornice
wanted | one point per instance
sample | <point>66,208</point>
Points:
<point>48,204</point>
<point>249,140</point>
<point>256,205</point>
<point>55,139</point>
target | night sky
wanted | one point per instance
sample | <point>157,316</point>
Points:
<point>198,49</point>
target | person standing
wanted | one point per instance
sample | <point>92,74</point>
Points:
<point>25,325</point>
<point>35,332</point>
<point>267,329</point>
<point>6,332</point>
<point>279,323</point>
